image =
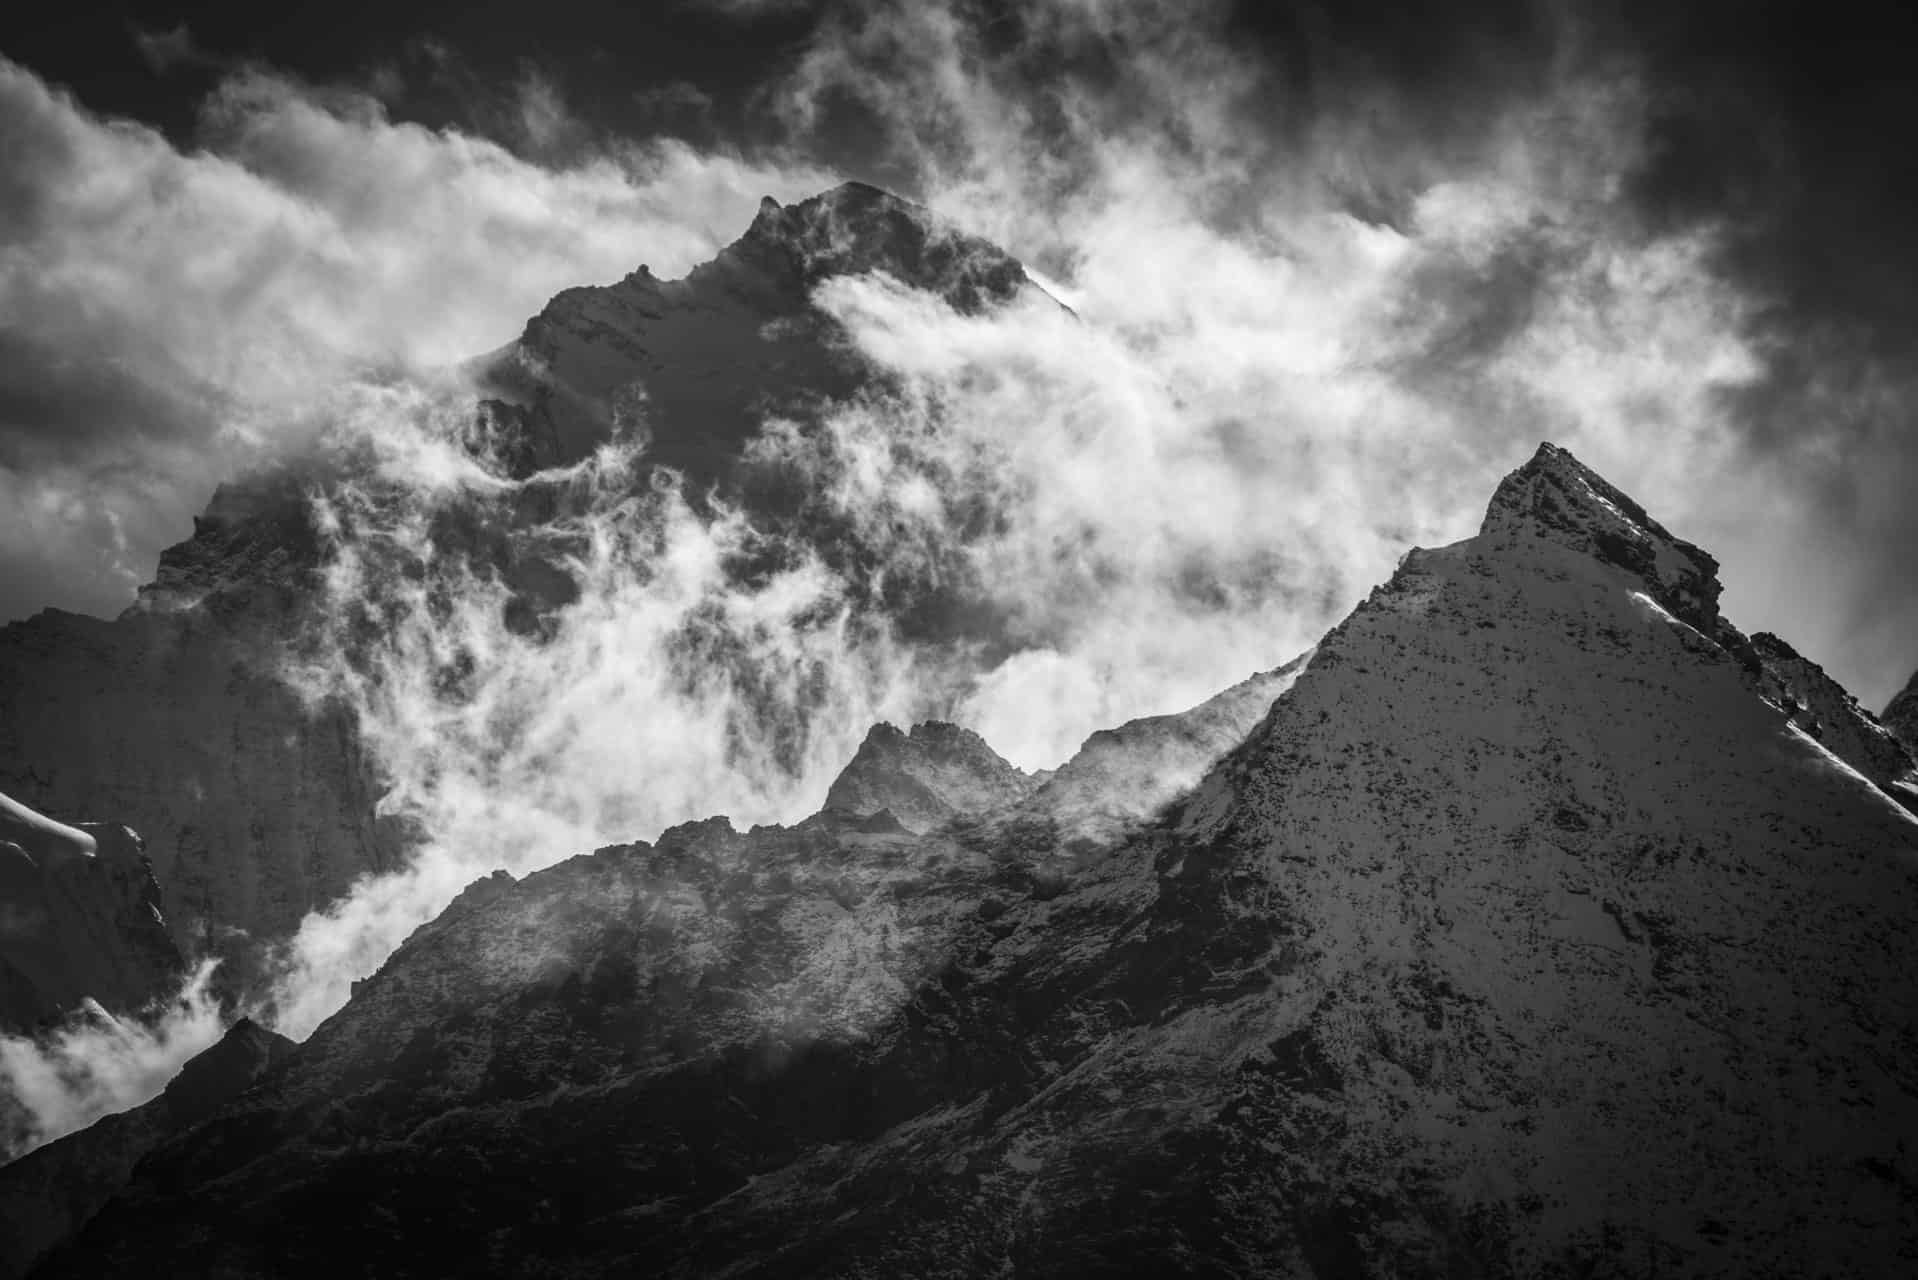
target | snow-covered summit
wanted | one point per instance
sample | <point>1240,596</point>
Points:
<point>1555,496</point>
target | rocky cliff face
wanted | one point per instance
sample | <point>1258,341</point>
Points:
<point>925,777</point>
<point>1822,708</point>
<point>178,723</point>
<point>1901,715</point>
<point>693,365</point>
<point>80,918</point>
<point>1523,936</point>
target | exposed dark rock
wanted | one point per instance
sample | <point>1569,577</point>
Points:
<point>178,723</point>
<point>1901,715</point>
<point>925,777</point>
<point>80,918</point>
<point>1822,708</point>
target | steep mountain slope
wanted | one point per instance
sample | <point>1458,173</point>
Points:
<point>1523,936</point>
<point>257,811</point>
<point>80,918</point>
<point>1821,707</point>
<point>1121,776</point>
<point>1901,715</point>
<point>815,895</point>
<point>50,1193</point>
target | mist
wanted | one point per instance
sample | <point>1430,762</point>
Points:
<point>95,1064</point>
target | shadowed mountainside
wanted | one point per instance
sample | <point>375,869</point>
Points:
<point>80,918</point>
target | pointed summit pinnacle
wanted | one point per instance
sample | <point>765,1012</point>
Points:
<point>1559,498</point>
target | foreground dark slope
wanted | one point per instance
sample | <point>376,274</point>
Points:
<point>1523,937</point>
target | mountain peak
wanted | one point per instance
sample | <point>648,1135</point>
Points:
<point>855,228</point>
<point>1556,497</point>
<point>924,776</point>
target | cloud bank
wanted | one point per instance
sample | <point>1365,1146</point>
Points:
<point>172,318</point>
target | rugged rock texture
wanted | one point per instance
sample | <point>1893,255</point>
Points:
<point>1901,715</point>
<point>1120,777</point>
<point>178,724</point>
<point>694,364</point>
<point>1822,708</point>
<point>1521,937</point>
<point>52,1192</point>
<point>80,918</point>
<point>925,777</point>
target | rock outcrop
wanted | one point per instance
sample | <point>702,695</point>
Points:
<point>179,723</point>
<point>694,364</point>
<point>1901,715</point>
<point>1522,936</point>
<point>80,918</point>
<point>1822,708</point>
<point>925,777</point>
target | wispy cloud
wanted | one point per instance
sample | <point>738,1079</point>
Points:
<point>95,1064</point>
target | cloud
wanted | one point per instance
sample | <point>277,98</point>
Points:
<point>1294,347</point>
<point>171,318</point>
<point>669,687</point>
<point>96,1064</point>
<point>170,49</point>
<point>753,10</point>
<point>675,99</point>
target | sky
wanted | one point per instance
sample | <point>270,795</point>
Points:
<point>1672,237</point>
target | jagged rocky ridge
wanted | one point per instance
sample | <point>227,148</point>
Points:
<point>260,806</point>
<point>1525,935</point>
<point>925,777</point>
<point>1901,714</point>
<point>1821,707</point>
<point>47,1197</point>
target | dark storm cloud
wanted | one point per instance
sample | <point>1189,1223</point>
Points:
<point>1783,124</point>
